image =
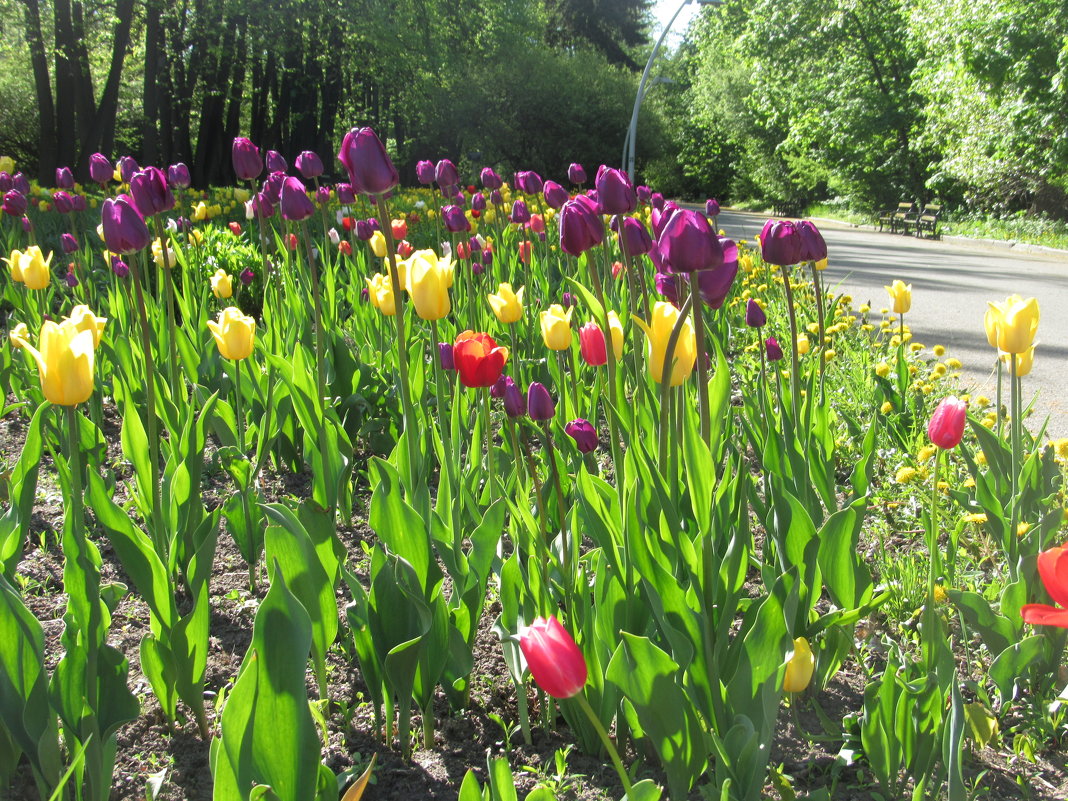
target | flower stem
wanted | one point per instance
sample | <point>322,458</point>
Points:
<point>612,752</point>
<point>702,375</point>
<point>317,306</point>
<point>795,374</point>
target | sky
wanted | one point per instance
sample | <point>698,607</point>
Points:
<point>663,9</point>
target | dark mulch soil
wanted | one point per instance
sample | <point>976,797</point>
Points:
<point>808,757</point>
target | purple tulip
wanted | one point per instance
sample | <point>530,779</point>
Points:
<point>780,243</point>
<point>634,237</point>
<point>27,226</point>
<point>68,243</point>
<point>20,183</point>
<point>495,197</point>
<point>581,226</point>
<point>584,434</point>
<point>478,201</point>
<point>248,163</point>
<point>689,244</point>
<point>263,206</point>
<point>309,165</point>
<point>567,300</point>
<point>455,220</point>
<point>714,285</point>
<point>424,172</point>
<point>520,214</point>
<point>64,178</point>
<point>660,216</point>
<point>813,248</point>
<point>70,279</point>
<point>150,192</point>
<point>555,195</point>
<point>445,173</point>
<point>119,267</point>
<point>487,257</point>
<point>275,162</point>
<point>78,203</point>
<point>100,169</point>
<point>445,355</point>
<point>576,173</point>
<point>272,187</point>
<point>345,195</point>
<point>14,203</point>
<point>774,351</point>
<point>528,182</point>
<point>247,276</point>
<point>124,227</point>
<point>490,179</point>
<point>364,231</point>
<point>540,405</point>
<point>477,268</point>
<point>712,207</point>
<point>515,402</point>
<point>178,176</point>
<point>754,315</point>
<point>295,204</point>
<point>656,200</point>
<point>645,194</point>
<point>63,202</point>
<point>322,195</point>
<point>670,286</point>
<point>370,169</point>
<point>127,167</point>
<point>615,192</point>
<point>5,182</point>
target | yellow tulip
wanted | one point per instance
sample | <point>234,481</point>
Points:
<point>901,295</point>
<point>242,195</point>
<point>1016,323</point>
<point>664,317</point>
<point>821,264</point>
<point>378,244</point>
<point>991,321</point>
<point>64,362</point>
<point>428,281</point>
<point>235,333</point>
<point>7,164</point>
<point>200,211</point>
<point>84,320</point>
<point>800,667</point>
<point>222,284</point>
<point>507,305</point>
<point>616,328</point>
<point>116,174</point>
<point>18,335</point>
<point>35,268</point>
<point>380,292</point>
<point>157,253</point>
<point>1024,361</point>
<point>802,345</point>
<point>556,327</point>
<point>15,263</point>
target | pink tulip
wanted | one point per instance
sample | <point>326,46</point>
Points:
<point>554,658</point>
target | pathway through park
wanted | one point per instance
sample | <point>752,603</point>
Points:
<point>951,284</point>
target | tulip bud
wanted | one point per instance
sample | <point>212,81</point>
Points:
<point>246,159</point>
<point>592,345</point>
<point>295,204</point>
<point>813,248</point>
<point>64,178</point>
<point>68,243</point>
<point>555,661</point>
<point>946,427</point>
<point>119,267</point>
<point>901,295</point>
<point>234,333</point>
<point>615,192</point>
<point>555,195</point>
<point>20,183</point>
<point>712,207</point>
<point>370,169</point>
<point>584,434</point>
<point>495,197</point>
<point>178,176</point>
<point>445,174</point>
<point>275,162</point>
<point>63,202</point>
<point>478,202</point>
<point>100,169</point>
<point>345,194</point>
<point>645,194</point>
<point>581,226</point>
<point>528,182</point>
<point>454,220</point>
<point>150,192</point>
<point>576,173</point>
<point>491,180</point>
<point>634,237</point>
<point>424,172</point>
<point>774,350</point>
<point>520,213</point>
<point>247,276</point>
<point>14,203</point>
<point>445,353</point>
<point>540,405</point>
<point>800,667</point>
<point>123,226</point>
<point>780,243</point>
<point>309,165</point>
<point>222,285</point>
<point>322,195</point>
<point>754,315</point>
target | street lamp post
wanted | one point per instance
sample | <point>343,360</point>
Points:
<point>632,131</point>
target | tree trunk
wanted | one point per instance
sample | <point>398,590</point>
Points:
<point>100,134</point>
<point>153,44</point>
<point>66,89</point>
<point>46,156</point>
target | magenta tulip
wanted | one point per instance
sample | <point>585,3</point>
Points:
<point>370,169</point>
<point>946,427</point>
<point>553,657</point>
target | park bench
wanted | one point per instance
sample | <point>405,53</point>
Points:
<point>927,222</point>
<point>900,218</point>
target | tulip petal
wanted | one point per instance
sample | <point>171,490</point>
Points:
<point>1044,615</point>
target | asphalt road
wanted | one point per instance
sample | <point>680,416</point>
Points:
<point>951,284</point>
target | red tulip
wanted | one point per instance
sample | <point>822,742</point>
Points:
<point>400,229</point>
<point>554,659</point>
<point>592,345</point>
<point>526,247</point>
<point>1053,568</point>
<point>478,360</point>
<point>947,423</point>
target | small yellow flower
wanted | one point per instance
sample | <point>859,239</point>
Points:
<point>926,453</point>
<point>1022,529</point>
<point>953,363</point>
<point>905,475</point>
<point>939,351</point>
<point>887,407</point>
<point>1060,447</point>
<point>940,594</point>
<point>882,369</point>
<point>864,308</point>
<point>802,345</point>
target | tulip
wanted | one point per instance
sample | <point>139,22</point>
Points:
<point>660,217</point>
<point>554,659</point>
<point>712,207</point>
<point>84,320</point>
<point>490,179</point>
<point>428,282</point>
<point>119,267</point>
<point>556,327</point>
<point>1053,570</point>
<point>670,286</point>
<point>645,194</point>
<point>1024,361</point>
<point>445,356</point>
<point>780,243</point>
<point>754,315</point>
<point>537,224</point>
<point>5,181</point>
<point>246,158</point>
<point>399,229</point>
<point>20,183</point>
<point>901,295</point>
<point>714,285</point>
<point>658,331</point>
<point>235,333</point>
<point>688,243</point>
<point>64,178</point>
<point>528,182</point>
<point>370,169</point>
<point>478,202</point>
<point>64,362</point>
<point>581,226</point>
<point>222,284</point>
<point>507,305</point>
<point>378,244</point>
<point>70,279</point>
<point>405,249</point>
<point>615,192</point>
<point>802,345</point>
<point>555,195</point>
<point>800,667</point>
<point>584,434</point>
<point>322,195</point>
<point>157,254</point>
<point>947,423</point>
<point>592,345</point>
<point>295,203</point>
<point>63,202</point>
<point>69,243</point>
<point>576,174</point>
<point>540,405</point>
<point>345,194</point>
<point>454,220</point>
<point>495,197</point>
<point>247,276</point>
<point>178,176</point>
<point>515,402</point>
<point>275,162</point>
<point>445,173</point>
<point>526,248</point>
<point>35,269</point>
<point>123,226</point>
<point>634,237</point>
<point>380,293</point>
<point>14,203</point>
<point>100,169</point>
<point>813,248</point>
<point>479,361</point>
<point>150,192</point>
<point>1016,321</point>
<point>18,336</point>
<point>520,213</point>
<point>773,349</point>
<point>424,172</point>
